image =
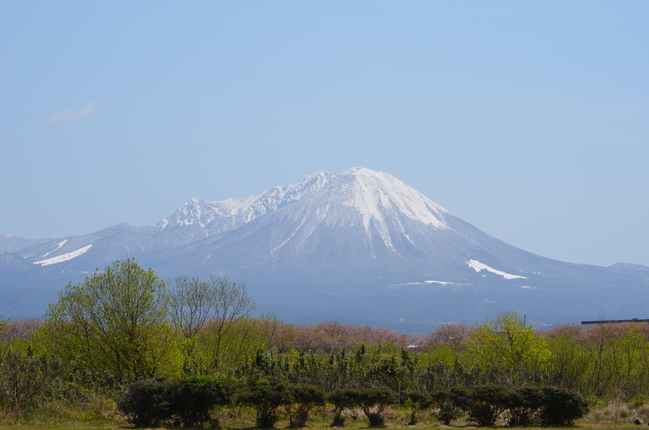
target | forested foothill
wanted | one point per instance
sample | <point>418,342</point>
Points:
<point>126,345</point>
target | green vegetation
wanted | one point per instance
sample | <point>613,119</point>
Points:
<point>125,346</point>
<point>186,403</point>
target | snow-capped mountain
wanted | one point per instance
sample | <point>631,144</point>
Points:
<point>218,217</point>
<point>379,211</point>
<point>350,245</point>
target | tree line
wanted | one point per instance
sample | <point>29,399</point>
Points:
<point>123,326</point>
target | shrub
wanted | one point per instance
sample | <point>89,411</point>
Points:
<point>486,403</point>
<point>192,400</point>
<point>305,397</point>
<point>341,399</point>
<point>450,404</point>
<point>483,404</point>
<point>523,405</point>
<point>373,401</point>
<point>447,413</point>
<point>562,407</point>
<point>415,401</point>
<point>266,398</point>
<point>152,401</point>
<point>145,403</point>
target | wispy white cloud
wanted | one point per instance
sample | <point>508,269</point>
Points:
<point>74,115</point>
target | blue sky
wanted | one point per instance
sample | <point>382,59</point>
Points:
<point>529,120</point>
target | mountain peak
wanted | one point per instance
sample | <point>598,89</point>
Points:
<point>367,173</point>
<point>375,195</point>
<point>376,192</point>
<point>361,170</point>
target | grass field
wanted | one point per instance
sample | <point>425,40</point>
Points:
<point>71,426</point>
<point>359,424</point>
<point>612,416</point>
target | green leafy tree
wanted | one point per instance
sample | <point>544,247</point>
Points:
<point>569,363</point>
<point>394,371</point>
<point>113,324</point>
<point>606,361</point>
<point>633,350</point>
<point>510,350</point>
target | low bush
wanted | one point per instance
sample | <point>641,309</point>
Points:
<point>192,400</point>
<point>373,401</point>
<point>341,399</point>
<point>519,407</point>
<point>562,407</point>
<point>523,406</point>
<point>181,402</point>
<point>305,397</point>
<point>145,403</point>
<point>450,404</point>
<point>265,398</point>
<point>416,401</point>
<point>486,403</point>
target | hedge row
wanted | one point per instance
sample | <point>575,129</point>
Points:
<point>518,407</point>
<point>188,402</point>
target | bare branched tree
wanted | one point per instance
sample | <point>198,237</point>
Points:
<point>191,304</point>
<point>231,301</point>
<point>213,305</point>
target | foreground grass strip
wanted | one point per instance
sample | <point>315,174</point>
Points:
<point>579,426</point>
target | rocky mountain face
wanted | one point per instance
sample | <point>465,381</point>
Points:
<point>358,246</point>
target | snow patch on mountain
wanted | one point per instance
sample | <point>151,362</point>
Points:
<point>440,282</point>
<point>478,266</point>
<point>64,257</point>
